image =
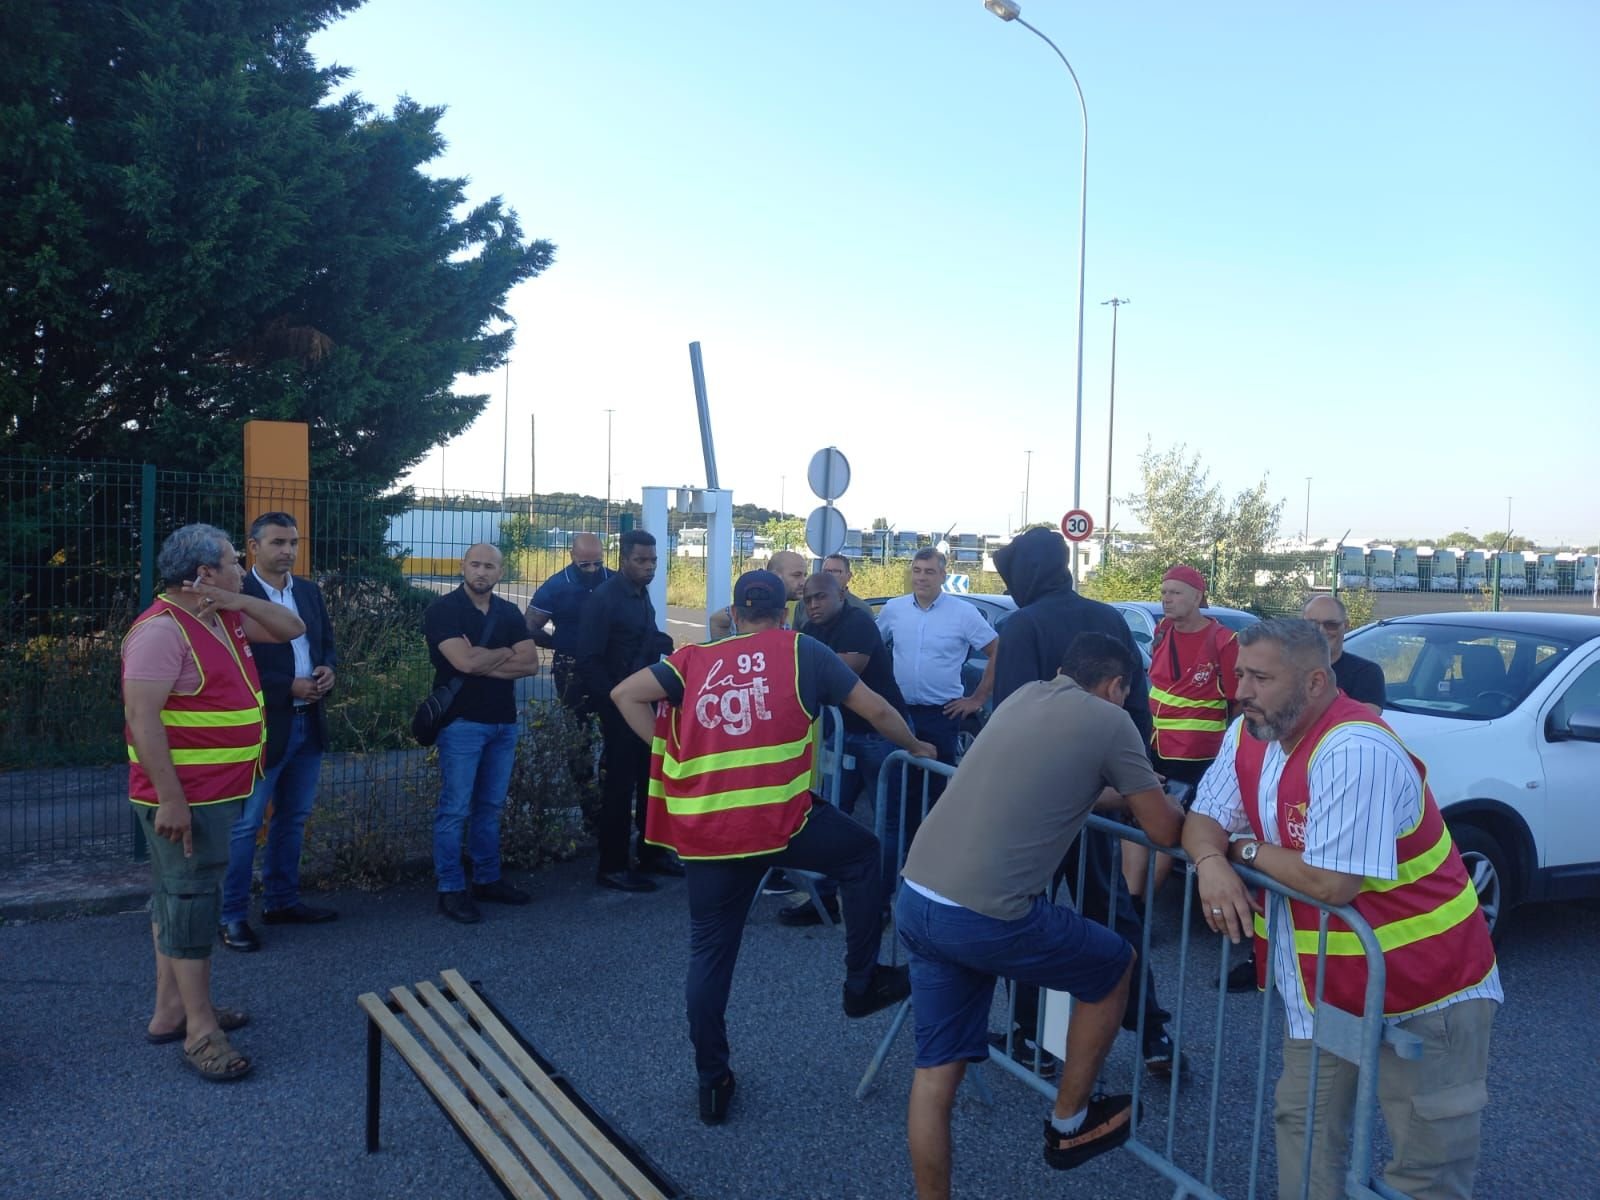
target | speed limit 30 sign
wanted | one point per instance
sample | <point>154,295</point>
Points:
<point>1077,525</point>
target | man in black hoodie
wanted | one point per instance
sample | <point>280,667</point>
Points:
<point>1050,614</point>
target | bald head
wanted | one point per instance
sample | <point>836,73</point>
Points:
<point>481,568</point>
<point>586,549</point>
<point>791,568</point>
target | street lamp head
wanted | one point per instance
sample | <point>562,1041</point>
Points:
<point>1006,10</point>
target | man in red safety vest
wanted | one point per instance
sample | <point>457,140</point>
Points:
<point>1326,800</point>
<point>192,702</point>
<point>731,761</point>
<point>1191,684</point>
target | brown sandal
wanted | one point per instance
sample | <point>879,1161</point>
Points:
<point>228,1018</point>
<point>216,1060</point>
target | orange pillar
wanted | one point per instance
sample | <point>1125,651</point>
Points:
<point>277,477</point>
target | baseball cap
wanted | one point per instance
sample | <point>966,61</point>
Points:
<point>1183,573</point>
<point>760,592</point>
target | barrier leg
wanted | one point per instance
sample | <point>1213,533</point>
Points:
<point>374,1070</point>
<point>876,1065</point>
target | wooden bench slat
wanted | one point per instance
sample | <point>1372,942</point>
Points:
<point>551,1172</point>
<point>547,1122</point>
<point>483,1138</point>
<point>574,1117</point>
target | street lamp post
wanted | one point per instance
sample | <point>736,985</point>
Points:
<point>1009,10</point>
<point>1027,484</point>
<point>1111,419</point>
<point>1308,511</point>
<point>606,536</point>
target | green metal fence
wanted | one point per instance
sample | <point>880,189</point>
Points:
<point>78,544</point>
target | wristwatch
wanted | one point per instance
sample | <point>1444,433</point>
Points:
<point>1248,854</point>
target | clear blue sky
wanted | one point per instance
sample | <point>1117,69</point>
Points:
<point>1359,241</point>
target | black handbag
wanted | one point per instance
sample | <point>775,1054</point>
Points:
<point>433,714</point>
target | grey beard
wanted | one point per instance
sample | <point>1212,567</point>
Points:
<point>1278,724</point>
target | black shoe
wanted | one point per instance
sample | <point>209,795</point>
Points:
<point>1108,1125</point>
<point>777,884</point>
<point>799,915</point>
<point>666,865</point>
<point>624,881</point>
<point>1022,1051</point>
<point>714,1100</point>
<point>1159,1055</point>
<point>498,891</point>
<point>298,914</point>
<point>1242,976</point>
<point>889,985</point>
<point>458,906</point>
<point>237,935</point>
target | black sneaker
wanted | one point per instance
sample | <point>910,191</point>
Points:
<point>777,884</point>
<point>669,866</point>
<point>1242,976</point>
<point>1022,1051</point>
<point>1108,1125</point>
<point>625,881</point>
<point>797,915</point>
<point>714,1101</point>
<point>1159,1054</point>
<point>889,985</point>
<point>498,891</point>
<point>458,906</point>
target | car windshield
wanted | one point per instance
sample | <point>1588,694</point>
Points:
<point>1457,671</point>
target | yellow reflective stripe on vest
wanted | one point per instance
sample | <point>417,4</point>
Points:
<point>1414,868</point>
<point>1165,697</point>
<point>1396,934</point>
<point>727,760</point>
<point>691,806</point>
<point>1196,725</point>
<point>213,719</point>
<point>210,756</point>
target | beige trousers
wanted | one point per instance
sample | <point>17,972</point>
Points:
<point>1433,1107</point>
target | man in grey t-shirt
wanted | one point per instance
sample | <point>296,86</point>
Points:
<point>974,905</point>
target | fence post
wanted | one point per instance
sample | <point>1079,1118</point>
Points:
<point>147,593</point>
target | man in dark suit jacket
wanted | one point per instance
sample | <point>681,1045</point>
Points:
<point>295,677</point>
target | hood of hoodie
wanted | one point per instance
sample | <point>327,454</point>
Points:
<point>1034,564</point>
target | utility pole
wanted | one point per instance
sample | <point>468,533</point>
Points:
<point>607,535</point>
<point>1307,537</point>
<point>783,483</point>
<point>1111,418</point>
<point>1508,515</point>
<point>1027,484</point>
<point>505,440</point>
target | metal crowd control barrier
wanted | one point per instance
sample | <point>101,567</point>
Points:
<point>1357,1040</point>
<point>832,763</point>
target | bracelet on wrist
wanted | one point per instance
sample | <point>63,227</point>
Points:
<point>1206,857</point>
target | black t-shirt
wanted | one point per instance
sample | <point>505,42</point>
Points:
<point>616,636</point>
<point>1360,679</point>
<point>821,677</point>
<point>855,632</point>
<point>490,701</point>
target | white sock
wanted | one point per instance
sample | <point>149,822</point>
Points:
<point>1069,1124</point>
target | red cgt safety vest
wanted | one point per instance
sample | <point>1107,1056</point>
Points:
<point>730,767</point>
<point>1188,704</point>
<point>1434,938</point>
<point>215,733</point>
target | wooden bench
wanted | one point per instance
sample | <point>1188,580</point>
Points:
<point>530,1127</point>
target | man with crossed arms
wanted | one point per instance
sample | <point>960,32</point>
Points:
<point>1332,805</point>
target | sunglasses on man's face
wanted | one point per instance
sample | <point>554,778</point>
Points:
<point>592,565</point>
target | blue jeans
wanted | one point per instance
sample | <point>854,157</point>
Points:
<point>475,762</point>
<point>955,956</point>
<point>291,788</point>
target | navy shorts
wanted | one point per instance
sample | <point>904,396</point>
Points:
<point>956,955</point>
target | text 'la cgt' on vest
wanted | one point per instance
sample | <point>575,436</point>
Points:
<point>730,768</point>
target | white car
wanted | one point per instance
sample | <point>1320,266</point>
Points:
<point>1504,710</point>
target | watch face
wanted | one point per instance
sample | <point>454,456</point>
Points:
<point>1248,854</point>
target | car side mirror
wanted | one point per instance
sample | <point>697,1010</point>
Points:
<point>1584,725</point>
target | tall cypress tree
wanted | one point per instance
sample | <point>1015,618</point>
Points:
<point>197,233</point>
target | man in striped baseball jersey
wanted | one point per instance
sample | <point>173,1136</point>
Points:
<point>1327,801</point>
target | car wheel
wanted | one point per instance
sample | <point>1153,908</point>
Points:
<point>1489,872</point>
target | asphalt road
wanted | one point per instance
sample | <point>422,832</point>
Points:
<point>595,980</point>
